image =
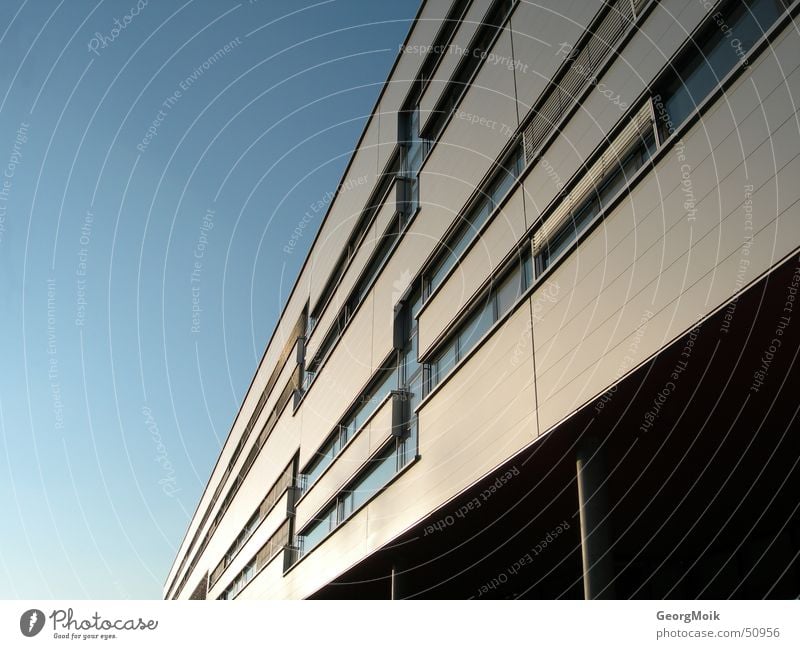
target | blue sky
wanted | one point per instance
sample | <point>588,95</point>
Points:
<point>147,190</point>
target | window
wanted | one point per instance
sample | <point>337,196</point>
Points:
<point>375,202</point>
<point>323,524</point>
<point>274,544</point>
<point>380,471</point>
<point>322,459</point>
<point>493,305</point>
<point>487,201</point>
<point>370,481</point>
<point>710,57</point>
<point>414,149</point>
<point>476,326</point>
<point>356,297</point>
<point>410,377</point>
<point>507,293</point>
<point>445,361</point>
<point>597,199</point>
<point>385,381</point>
<point>458,84</point>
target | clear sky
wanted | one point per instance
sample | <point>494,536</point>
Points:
<point>148,189</point>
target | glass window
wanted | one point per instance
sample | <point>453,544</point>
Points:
<point>443,363</point>
<point>502,184</point>
<point>507,293</point>
<point>527,272</point>
<point>619,175</point>
<point>567,235</point>
<point>325,522</point>
<point>477,217</point>
<point>477,325</point>
<point>383,468</point>
<point>389,383</point>
<point>700,72</point>
<point>323,459</point>
<point>249,571</point>
<point>346,505</point>
<point>442,268</point>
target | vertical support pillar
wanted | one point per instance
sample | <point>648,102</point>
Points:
<point>399,583</point>
<point>598,562</point>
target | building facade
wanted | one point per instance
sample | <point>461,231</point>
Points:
<point>546,349</point>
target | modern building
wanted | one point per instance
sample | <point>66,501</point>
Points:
<point>549,347</point>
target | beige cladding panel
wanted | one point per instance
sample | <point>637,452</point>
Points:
<point>640,223</point>
<point>466,428</point>
<point>452,56</point>
<point>265,530</point>
<point>338,383</point>
<point>343,548</point>
<point>497,240</point>
<point>475,134</point>
<point>376,432</point>
<point>422,35</point>
<point>646,208</point>
<point>380,427</point>
<point>271,461</point>
<point>538,31</point>
<point>357,266</point>
<point>344,213</point>
<point>339,298</point>
<point>268,584</point>
<point>395,279</point>
<point>648,268</point>
<point>650,47</point>
<point>662,32</point>
<point>712,288</point>
<point>330,482</point>
<point>677,264</point>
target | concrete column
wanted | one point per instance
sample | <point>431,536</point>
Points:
<point>598,562</point>
<point>399,583</point>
